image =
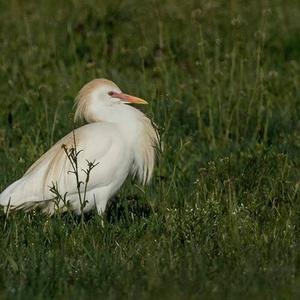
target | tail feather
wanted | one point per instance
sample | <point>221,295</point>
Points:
<point>17,196</point>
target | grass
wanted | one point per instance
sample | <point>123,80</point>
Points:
<point>221,219</point>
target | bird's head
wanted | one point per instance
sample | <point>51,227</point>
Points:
<point>98,95</point>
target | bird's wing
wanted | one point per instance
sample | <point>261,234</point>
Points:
<point>97,143</point>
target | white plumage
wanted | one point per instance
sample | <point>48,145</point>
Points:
<point>120,138</point>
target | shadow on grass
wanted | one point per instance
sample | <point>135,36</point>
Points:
<point>117,210</point>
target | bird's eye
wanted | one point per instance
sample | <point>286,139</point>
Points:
<point>110,93</point>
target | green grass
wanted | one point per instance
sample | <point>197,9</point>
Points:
<point>222,214</point>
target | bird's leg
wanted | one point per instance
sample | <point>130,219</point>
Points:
<point>100,205</point>
<point>100,199</point>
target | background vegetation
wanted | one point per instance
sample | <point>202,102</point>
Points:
<point>221,218</point>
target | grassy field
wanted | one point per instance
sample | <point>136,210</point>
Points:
<point>221,218</point>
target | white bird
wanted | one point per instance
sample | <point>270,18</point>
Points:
<point>119,138</point>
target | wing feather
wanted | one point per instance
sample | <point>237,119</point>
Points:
<point>53,168</point>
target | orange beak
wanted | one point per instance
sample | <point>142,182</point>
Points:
<point>128,98</point>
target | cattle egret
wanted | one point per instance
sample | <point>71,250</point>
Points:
<point>119,140</point>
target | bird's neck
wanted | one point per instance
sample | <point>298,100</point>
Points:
<point>133,123</point>
<point>138,131</point>
<point>144,140</point>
